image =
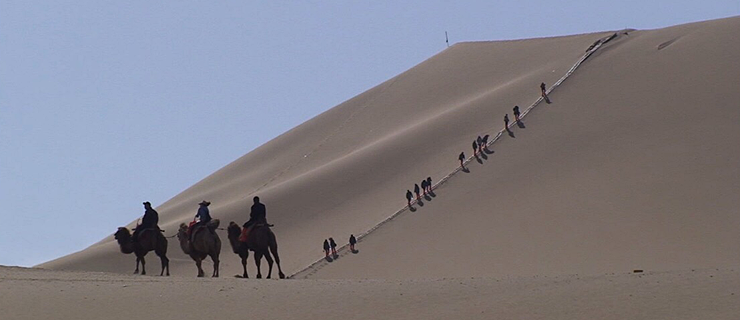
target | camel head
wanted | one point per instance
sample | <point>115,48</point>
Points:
<point>182,233</point>
<point>234,230</point>
<point>122,234</point>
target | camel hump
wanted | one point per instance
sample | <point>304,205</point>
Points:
<point>213,224</point>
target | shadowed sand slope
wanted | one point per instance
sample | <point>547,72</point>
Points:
<point>634,165</point>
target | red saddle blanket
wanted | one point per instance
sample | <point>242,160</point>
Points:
<point>190,227</point>
<point>245,233</point>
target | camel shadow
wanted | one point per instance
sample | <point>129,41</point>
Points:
<point>478,159</point>
<point>520,124</point>
<point>431,193</point>
<point>427,197</point>
<point>329,259</point>
<point>466,170</point>
<point>547,99</point>
<point>511,133</point>
<point>412,209</point>
<point>355,251</point>
<point>484,156</point>
<point>487,151</point>
<point>420,203</point>
<point>335,256</point>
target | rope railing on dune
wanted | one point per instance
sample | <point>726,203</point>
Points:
<point>343,249</point>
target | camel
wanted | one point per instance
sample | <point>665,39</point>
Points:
<point>262,241</point>
<point>149,240</point>
<point>205,243</point>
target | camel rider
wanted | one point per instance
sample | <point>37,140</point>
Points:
<point>258,215</point>
<point>202,217</point>
<point>150,220</point>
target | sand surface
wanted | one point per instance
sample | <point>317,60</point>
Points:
<point>634,165</point>
<point>43,294</point>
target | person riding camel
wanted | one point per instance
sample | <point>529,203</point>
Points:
<point>201,218</point>
<point>258,215</point>
<point>150,220</point>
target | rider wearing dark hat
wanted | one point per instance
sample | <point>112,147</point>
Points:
<point>203,212</point>
<point>202,217</point>
<point>150,220</point>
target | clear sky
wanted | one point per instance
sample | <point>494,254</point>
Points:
<point>106,104</point>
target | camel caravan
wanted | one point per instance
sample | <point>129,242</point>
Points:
<point>199,240</point>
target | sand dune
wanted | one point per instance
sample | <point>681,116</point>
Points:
<point>633,165</point>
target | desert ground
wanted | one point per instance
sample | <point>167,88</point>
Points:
<point>634,165</point>
<point>690,294</point>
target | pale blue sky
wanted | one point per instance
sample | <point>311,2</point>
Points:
<point>105,104</point>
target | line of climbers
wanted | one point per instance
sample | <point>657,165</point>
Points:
<point>426,188</point>
<point>480,144</point>
<point>330,244</point>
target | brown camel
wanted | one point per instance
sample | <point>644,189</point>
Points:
<point>205,243</point>
<point>149,240</point>
<point>262,241</point>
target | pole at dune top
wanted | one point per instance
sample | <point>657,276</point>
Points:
<point>447,40</point>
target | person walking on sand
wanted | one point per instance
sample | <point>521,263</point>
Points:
<point>326,247</point>
<point>506,122</point>
<point>333,246</point>
<point>424,186</point>
<point>409,196</point>
<point>516,114</point>
<point>480,144</point>
<point>485,141</point>
<point>352,242</point>
<point>429,184</point>
<point>461,157</point>
<point>544,92</point>
<point>475,148</point>
<point>416,190</point>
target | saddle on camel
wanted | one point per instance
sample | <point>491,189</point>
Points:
<point>246,230</point>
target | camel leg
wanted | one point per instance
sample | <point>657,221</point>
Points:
<point>165,261</point>
<point>198,262</point>
<point>214,257</point>
<point>269,263</point>
<point>244,264</point>
<point>274,250</point>
<point>143,266</point>
<point>165,265</point>
<point>257,259</point>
